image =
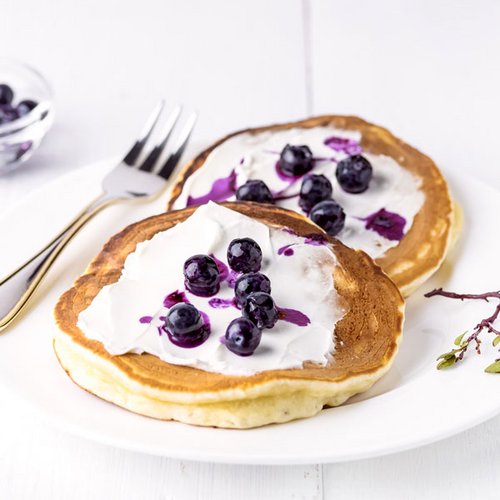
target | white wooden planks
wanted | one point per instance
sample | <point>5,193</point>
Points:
<point>428,70</point>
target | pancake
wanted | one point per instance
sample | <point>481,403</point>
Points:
<point>366,337</point>
<point>424,246</point>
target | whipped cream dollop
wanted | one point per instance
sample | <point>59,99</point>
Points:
<point>393,191</point>
<point>127,316</point>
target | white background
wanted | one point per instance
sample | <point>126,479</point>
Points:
<point>428,70</point>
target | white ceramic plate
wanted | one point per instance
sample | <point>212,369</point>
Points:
<point>413,405</point>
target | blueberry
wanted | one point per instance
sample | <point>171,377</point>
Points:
<point>202,276</point>
<point>8,113</point>
<point>6,94</point>
<point>24,107</point>
<point>254,190</point>
<point>242,337</point>
<point>185,326</point>
<point>328,215</point>
<point>315,188</point>
<point>261,310</point>
<point>250,283</point>
<point>244,255</point>
<point>354,174</point>
<point>296,160</point>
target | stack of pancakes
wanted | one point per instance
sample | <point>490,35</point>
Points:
<point>366,337</point>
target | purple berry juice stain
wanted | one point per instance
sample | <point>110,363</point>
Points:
<point>232,278</point>
<point>218,303</point>
<point>293,316</point>
<point>343,145</point>
<point>146,320</point>
<point>222,189</point>
<point>222,267</point>
<point>290,179</point>
<point>287,250</point>
<point>315,239</point>
<point>175,298</point>
<point>388,224</point>
<point>226,274</point>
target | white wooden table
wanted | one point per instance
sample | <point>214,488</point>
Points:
<point>428,70</point>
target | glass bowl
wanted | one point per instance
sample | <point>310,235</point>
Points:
<point>20,137</point>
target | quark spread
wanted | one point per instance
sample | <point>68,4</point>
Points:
<point>393,190</point>
<point>127,316</point>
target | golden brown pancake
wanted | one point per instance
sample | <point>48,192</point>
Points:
<point>423,248</point>
<point>366,338</point>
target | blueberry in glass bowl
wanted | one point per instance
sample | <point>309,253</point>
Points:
<point>26,112</point>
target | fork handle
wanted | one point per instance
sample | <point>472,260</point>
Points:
<point>18,287</point>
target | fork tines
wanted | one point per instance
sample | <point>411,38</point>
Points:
<point>156,162</point>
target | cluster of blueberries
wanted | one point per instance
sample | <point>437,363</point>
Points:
<point>10,112</point>
<point>252,289</point>
<point>353,175</point>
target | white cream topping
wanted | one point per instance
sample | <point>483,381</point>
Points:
<point>392,187</point>
<point>302,281</point>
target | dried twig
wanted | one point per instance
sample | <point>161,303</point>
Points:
<point>455,355</point>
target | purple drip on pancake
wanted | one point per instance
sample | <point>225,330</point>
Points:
<point>388,224</point>
<point>175,298</point>
<point>287,250</point>
<point>291,179</point>
<point>315,239</point>
<point>226,274</point>
<point>343,145</point>
<point>222,189</point>
<point>218,303</point>
<point>293,316</point>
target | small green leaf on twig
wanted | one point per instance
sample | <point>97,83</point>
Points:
<point>447,355</point>
<point>446,362</point>
<point>487,324</point>
<point>493,368</point>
